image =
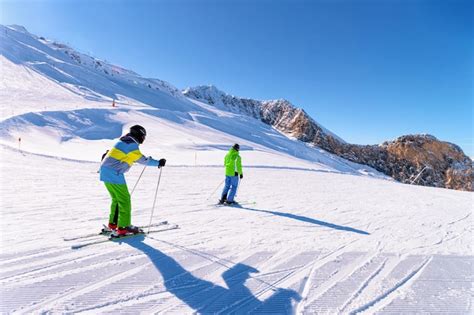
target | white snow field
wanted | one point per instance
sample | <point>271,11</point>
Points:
<point>303,241</point>
<point>315,234</point>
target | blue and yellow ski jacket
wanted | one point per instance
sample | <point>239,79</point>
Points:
<point>120,158</point>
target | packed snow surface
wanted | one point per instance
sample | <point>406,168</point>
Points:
<point>314,233</point>
<point>302,240</point>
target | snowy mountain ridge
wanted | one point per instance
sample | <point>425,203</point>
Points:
<point>85,76</point>
<point>213,96</point>
<point>279,113</point>
<point>102,65</point>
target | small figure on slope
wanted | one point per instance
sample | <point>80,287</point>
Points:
<point>233,170</point>
<point>116,162</point>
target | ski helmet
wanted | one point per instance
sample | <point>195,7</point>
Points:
<point>138,132</point>
<point>236,147</point>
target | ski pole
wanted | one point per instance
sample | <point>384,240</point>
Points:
<point>154,201</point>
<point>215,189</point>
<point>238,186</point>
<point>135,186</point>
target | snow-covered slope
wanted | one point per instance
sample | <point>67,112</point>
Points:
<point>304,240</point>
<point>314,234</point>
<point>56,100</point>
<point>79,74</point>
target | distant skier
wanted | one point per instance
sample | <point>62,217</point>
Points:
<point>233,170</point>
<point>115,163</point>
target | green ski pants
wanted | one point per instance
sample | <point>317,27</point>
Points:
<point>121,207</point>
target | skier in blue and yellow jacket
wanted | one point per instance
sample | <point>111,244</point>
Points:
<point>116,162</point>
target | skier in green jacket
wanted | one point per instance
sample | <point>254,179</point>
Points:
<point>233,170</point>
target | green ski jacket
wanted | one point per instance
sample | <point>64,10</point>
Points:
<point>233,163</point>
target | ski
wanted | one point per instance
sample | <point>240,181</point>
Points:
<point>118,239</point>
<point>106,232</point>
<point>236,205</point>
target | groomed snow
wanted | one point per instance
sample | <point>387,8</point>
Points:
<point>304,240</point>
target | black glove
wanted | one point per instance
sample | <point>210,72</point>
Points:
<point>241,176</point>
<point>161,162</point>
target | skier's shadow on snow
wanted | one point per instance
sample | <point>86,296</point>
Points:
<point>306,219</point>
<point>206,297</point>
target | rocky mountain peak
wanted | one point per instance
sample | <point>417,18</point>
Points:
<point>440,163</point>
<point>280,113</point>
<point>413,159</point>
<point>208,93</point>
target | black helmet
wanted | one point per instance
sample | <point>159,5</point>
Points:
<point>138,132</point>
<point>236,147</point>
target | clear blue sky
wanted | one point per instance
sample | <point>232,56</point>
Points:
<point>368,70</point>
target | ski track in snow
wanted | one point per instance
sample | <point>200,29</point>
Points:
<point>267,257</point>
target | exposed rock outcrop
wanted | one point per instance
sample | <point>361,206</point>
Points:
<point>417,159</point>
<point>412,159</point>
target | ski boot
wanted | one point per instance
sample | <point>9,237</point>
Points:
<point>222,200</point>
<point>129,230</point>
